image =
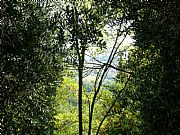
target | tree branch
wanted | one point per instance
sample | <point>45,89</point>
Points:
<point>107,113</point>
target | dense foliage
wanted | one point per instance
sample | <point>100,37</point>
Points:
<point>155,63</point>
<point>29,65</point>
<point>39,38</point>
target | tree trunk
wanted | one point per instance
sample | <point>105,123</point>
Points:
<point>80,72</point>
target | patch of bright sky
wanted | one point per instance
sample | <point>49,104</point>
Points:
<point>109,35</point>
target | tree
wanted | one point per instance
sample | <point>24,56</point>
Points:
<point>83,23</point>
<point>156,64</point>
<point>82,30</point>
<point>29,66</point>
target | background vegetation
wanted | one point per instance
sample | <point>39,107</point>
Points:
<point>54,80</point>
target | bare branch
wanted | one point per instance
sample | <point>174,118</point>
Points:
<point>120,69</point>
<point>109,110</point>
<point>104,73</point>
